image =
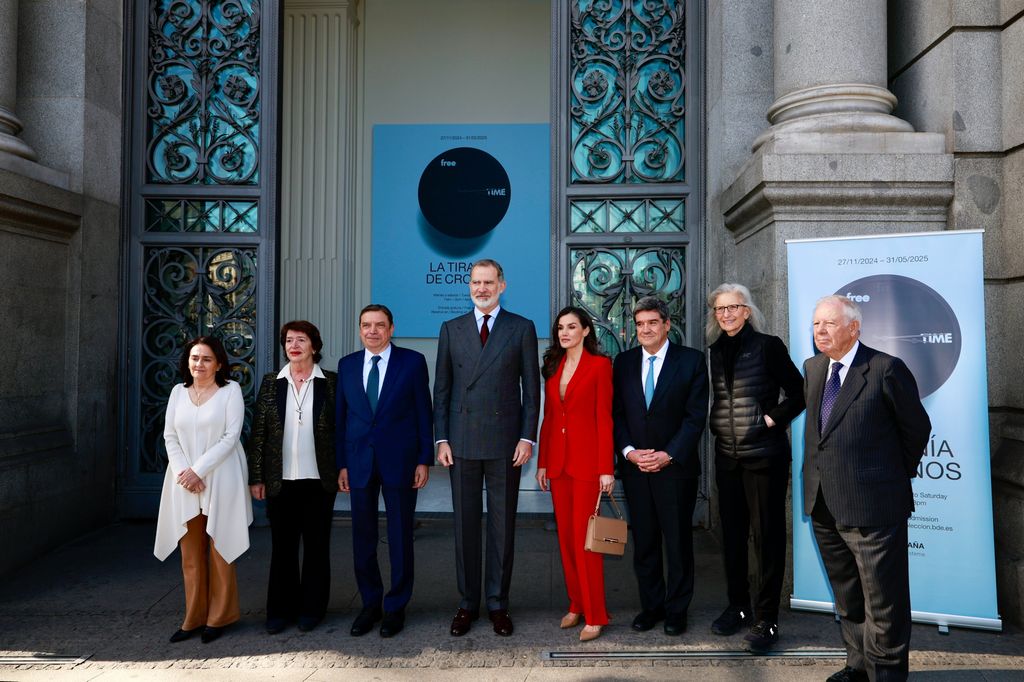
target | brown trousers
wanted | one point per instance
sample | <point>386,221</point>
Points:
<point>211,588</point>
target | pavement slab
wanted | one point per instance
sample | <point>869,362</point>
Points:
<point>107,605</point>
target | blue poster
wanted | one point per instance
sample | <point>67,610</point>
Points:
<point>922,300</point>
<point>447,195</point>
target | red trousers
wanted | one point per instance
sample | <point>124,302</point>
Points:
<point>574,502</point>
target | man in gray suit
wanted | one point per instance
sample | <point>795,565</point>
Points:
<point>865,433</point>
<point>486,407</point>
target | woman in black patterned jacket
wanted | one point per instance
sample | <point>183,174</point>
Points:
<point>291,465</point>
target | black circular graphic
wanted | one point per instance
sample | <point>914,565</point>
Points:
<point>910,320</point>
<point>464,192</point>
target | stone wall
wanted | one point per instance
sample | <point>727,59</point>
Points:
<point>955,67</point>
<point>59,277</point>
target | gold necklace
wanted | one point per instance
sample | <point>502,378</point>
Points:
<point>198,395</point>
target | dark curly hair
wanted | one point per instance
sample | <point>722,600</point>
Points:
<point>213,343</point>
<point>310,330</point>
<point>554,354</point>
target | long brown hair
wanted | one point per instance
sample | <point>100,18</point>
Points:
<point>554,354</point>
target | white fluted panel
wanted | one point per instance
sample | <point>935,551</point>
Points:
<point>317,243</point>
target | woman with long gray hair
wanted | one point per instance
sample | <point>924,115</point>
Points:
<point>757,392</point>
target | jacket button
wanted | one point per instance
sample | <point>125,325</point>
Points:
<point>563,429</point>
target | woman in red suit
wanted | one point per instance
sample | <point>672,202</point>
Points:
<point>576,457</point>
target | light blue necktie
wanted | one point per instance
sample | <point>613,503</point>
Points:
<point>649,384</point>
<point>373,384</point>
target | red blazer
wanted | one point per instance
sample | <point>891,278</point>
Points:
<point>576,435</point>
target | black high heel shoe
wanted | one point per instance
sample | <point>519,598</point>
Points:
<point>182,635</point>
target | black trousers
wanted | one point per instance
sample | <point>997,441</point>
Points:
<point>752,506</point>
<point>661,519</point>
<point>301,512</point>
<point>869,572</point>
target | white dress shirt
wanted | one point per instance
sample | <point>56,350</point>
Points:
<point>299,447</point>
<point>382,366</point>
<point>480,318</point>
<point>847,360</point>
<point>659,362</point>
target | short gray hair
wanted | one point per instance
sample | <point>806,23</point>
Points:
<point>488,263</point>
<point>757,319</point>
<point>651,303</point>
<point>851,311</point>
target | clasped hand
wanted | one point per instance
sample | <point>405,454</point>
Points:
<point>190,481</point>
<point>650,461</point>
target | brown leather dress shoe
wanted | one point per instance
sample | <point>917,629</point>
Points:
<point>462,621</point>
<point>502,622</point>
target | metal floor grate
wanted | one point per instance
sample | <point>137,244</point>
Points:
<point>42,659</point>
<point>693,654</point>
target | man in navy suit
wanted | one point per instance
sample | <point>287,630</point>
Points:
<point>385,443</point>
<point>659,407</point>
<point>865,434</point>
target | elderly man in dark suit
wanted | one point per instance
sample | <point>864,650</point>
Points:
<point>486,407</point>
<point>659,406</point>
<point>385,444</point>
<point>865,433</point>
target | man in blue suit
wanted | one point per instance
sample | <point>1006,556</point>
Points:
<point>385,443</point>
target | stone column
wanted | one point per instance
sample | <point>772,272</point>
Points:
<point>835,161</point>
<point>830,69</point>
<point>10,126</point>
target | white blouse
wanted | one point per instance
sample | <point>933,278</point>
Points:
<point>207,439</point>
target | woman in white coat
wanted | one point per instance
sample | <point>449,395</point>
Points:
<point>205,504</point>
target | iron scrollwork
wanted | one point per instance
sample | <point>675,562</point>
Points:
<point>190,291</point>
<point>203,91</point>
<point>627,86</point>
<point>606,282</point>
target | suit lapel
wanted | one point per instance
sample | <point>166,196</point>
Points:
<point>852,386</point>
<point>391,377</point>
<point>634,383</point>
<point>499,337</point>
<point>282,398</point>
<point>669,369</point>
<point>815,387</point>
<point>319,391</point>
<point>579,376</point>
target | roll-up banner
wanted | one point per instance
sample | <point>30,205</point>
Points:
<point>922,299</point>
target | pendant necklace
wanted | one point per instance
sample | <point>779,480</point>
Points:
<point>299,402</point>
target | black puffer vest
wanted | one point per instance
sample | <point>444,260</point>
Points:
<point>737,416</point>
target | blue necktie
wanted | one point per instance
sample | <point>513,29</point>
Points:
<point>828,398</point>
<point>649,384</point>
<point>373,384</point>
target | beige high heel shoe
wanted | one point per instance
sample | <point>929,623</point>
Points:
<point>587,634</point>
<point>569,620</point>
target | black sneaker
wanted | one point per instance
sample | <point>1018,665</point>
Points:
<point>730,622</point>
<point>762,637</point>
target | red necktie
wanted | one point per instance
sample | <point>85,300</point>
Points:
<point>484,331</point>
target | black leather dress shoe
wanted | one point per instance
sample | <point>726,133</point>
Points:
<point>462,621</point>
<point>502,622</point>
<point>848,674</point>
<point>645,620</point>
<point>675,624</point>
<point>307,623</point>
<point>276,625</point>
<point>182,635</point>
<point>365,620</point>
<point>393,623</point>
<point>211,633</point>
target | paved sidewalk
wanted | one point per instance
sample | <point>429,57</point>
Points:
<point>108,605</point>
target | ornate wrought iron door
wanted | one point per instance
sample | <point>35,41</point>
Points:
<point>200,200</point>
<point>627,169</point>
<point>627,191</point>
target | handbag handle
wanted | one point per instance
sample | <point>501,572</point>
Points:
<point>615,506</point>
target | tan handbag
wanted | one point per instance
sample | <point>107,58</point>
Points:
<point>606,535</point>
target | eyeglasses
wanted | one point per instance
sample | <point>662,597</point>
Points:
<point>732,308</point>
